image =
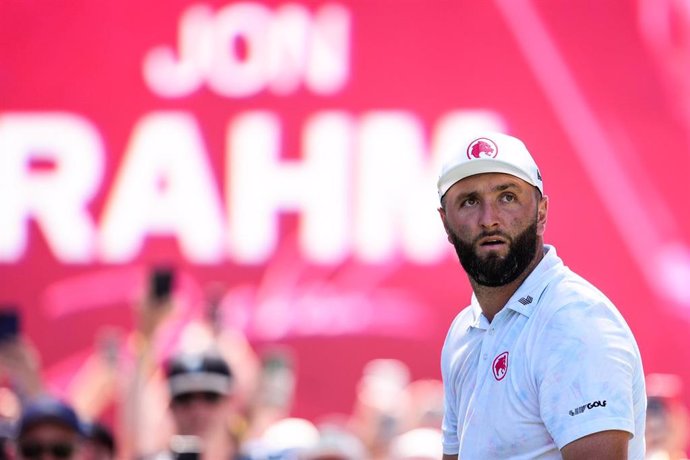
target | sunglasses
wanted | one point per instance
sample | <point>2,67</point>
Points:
<point>206,396</point>
<point>36,450</point>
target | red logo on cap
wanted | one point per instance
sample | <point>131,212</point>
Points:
<point>482,147</point>
<point>500,366</point>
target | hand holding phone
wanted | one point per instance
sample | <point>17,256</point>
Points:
<point>161,284</point>
<point>10,323</point>
<point>157,300</point>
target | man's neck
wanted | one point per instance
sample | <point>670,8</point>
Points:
<point>493,299</point>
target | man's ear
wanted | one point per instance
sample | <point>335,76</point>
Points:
<point>542,214</point>
<point>442,214</point>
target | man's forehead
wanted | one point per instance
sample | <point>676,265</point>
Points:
<point>49,428</point>
<point>488,182</point>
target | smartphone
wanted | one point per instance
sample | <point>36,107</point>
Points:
<point>161,283</point>
<point>10,322</point>
<point>186,447</point>
<point>187,456</point>
<point>277,378</point>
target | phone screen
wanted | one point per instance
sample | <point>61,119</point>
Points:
<point>185,447</point>
<point>187,456</point>
<point>161,283</point>
<point>9,322</point>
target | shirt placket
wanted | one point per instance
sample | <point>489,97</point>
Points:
<point>487,352</point>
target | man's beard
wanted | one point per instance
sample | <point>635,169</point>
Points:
<point>494,270</point>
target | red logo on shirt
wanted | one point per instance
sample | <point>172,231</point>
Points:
<point>500,366</point>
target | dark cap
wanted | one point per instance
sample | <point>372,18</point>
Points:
<point>47,409</point>
<point>100,434</point>
<point>198,372</point>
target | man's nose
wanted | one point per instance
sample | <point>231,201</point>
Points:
<point>489,215</point>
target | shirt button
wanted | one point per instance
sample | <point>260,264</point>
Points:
<point>484,356</point>
<point>491,331</point>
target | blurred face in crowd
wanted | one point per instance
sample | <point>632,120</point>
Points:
<point>199,412</point>
<point>92,450</point>
<point>48,441</point>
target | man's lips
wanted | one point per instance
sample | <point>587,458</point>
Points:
<point>491,241</point>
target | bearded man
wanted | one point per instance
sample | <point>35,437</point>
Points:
<point>540,364</point>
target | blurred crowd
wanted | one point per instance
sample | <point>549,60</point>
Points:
<point>213,396</point>
<point>209,396</point>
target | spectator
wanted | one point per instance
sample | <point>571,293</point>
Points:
<point>48,428</point>
<point>274,393</point>
<point>168,325</point>
<point>336,443</point>
<point>417,444</point>
<point>20,366</point>
<point>200,386</point>
<point>99,442</point>
<point>425,404</point>
<point>381,404</point>
<point>290,438</point>
<point>9,412</point>
<point>666,432</point>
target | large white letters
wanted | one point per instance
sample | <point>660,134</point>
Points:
<point>261,186</point>
<point>361,186</point>
<point>390,167</point>
<point>245,48</point>
<point>57,194</point>
<point>326,233</point>
<point>165,187</point>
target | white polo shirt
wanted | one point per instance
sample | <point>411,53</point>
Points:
<point>557,363</point>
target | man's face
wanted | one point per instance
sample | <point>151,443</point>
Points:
<point>48,441</point>
<point>198,413</point>
<point>92,450</point>
<point>495,222</point>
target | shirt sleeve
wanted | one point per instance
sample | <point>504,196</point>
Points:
<point>585,370</point>
<point>451,444</point>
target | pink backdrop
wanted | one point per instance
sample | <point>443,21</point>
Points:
<point>288,151</point>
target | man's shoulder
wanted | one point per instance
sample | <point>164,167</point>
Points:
<point>569,290</point>
<point>464,319</point>
<point>460,328</point>
<point>572,306</point>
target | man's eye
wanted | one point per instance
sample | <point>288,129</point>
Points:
<point>469,202</point>
<point>508,197</point>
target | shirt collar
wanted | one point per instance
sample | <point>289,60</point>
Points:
<point>527,294</point>
<point>479,321</point>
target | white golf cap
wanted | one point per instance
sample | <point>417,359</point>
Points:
<point>489,153</point>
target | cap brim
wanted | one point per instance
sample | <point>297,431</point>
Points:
<point>480,166</point>
<point>199,382</point>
